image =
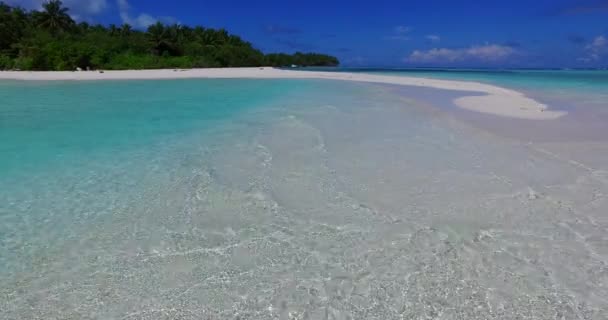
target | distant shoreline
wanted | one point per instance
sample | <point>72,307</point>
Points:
<point>497,100</point>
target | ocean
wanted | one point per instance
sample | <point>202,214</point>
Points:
<point>579,87</point>
<point>297,199</point>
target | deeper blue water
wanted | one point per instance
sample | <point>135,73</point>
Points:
<point>289,199</point>
<point>583,80</point>
<point>582,86</point>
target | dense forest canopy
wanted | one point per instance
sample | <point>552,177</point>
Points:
<point>51,40</point>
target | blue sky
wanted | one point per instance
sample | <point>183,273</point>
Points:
<point>463,33</point>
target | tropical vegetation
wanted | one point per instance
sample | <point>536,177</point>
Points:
<point>51,40</point>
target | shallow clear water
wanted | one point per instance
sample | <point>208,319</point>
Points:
<point>251,199</point>
<point>43,124</point>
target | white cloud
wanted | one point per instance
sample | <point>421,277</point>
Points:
<point>435,54</point>
<point>91,6</point>
<point>143,20</point>
<point>596,49</point>
<point>484,53</point>
<point>599,42</point>
<point>123,8</point>
<point>490,52</point>
<point>87,9</point>
<point>78,8</point>
<point>400,33</point>
<point>433,38</point>
<point>402,29</point>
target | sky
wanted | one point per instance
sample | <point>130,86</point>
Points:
<point>389,33</point>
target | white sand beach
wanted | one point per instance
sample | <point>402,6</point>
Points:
<point>492,99</point>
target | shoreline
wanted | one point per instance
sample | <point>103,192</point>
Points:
<point>494,100</point>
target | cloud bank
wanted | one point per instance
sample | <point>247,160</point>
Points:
<point>484,53</point>
<point>400,33</point>
<point>433,38</point>
<point>596,50</point>
<point>83,10</point>
<point>141,21</point>
<point>79,9</point>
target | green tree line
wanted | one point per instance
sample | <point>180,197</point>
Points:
<point>51,40</point>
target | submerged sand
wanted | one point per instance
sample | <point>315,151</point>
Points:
<point>492,99</point>
<point>337,201</point>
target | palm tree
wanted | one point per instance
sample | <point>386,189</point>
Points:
<point>209,38</point>
<point>13,25</point>
<point>98,28</point>
<point>198,31</point>
<point>200,34</point>
<point>176,34</point>
<point>187,32</point>
<point>222,36</point>
<point>174,31</point>
<point>84,26</point>
<point>4,8</point>
<point>54,17</point>
<point>125,30</point>
<point>235,40</point>
<point>112,29</point>
<point>159,38</point>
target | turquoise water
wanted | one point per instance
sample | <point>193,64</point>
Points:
<point>276,199</point>
<point>46,124</point>
<point>72,152</point>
